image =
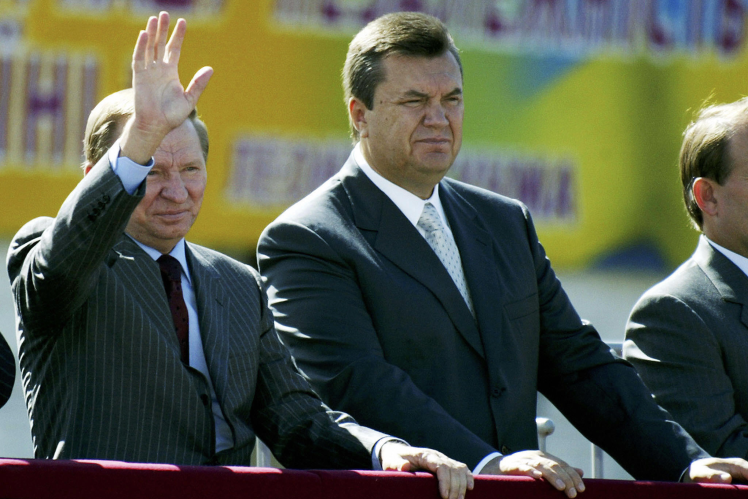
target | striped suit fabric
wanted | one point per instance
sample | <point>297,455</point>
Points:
<point>100,362</point>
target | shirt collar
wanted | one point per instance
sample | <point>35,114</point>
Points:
<point>410,204</point>
<point>739,260</point>
<point>178,252</point>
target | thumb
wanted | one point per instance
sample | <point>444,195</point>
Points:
<point>198,84</point>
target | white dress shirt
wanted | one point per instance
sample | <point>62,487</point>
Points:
<point>412,206</point>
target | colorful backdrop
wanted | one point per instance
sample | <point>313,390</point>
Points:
<point>575,107</point>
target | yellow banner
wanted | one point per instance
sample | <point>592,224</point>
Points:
<point>575,107</point>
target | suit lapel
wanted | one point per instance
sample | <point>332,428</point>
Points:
<point>135,267</point>
<point>213,313</point>
<point>729,280</point>
<point>398,241</point>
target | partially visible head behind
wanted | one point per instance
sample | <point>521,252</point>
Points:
<point>401,33</point>
<point>108,118</point>
<point>705,151</point>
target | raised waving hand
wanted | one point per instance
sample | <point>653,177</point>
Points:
<point>161,102</point>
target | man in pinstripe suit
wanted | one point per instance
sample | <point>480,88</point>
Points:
<point>104,373</point>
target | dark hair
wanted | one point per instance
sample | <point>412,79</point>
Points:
<point>107,119</point>
<point>704,149</point>
<point>401,33</point>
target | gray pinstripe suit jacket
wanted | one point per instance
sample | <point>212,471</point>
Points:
<point>100,362</point>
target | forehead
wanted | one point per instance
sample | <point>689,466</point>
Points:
<point>181,145</point>
<point>425,74</point>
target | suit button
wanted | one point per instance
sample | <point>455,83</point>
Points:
<point>205,399</point>
<point>505,450</point>
<point>496,392</point>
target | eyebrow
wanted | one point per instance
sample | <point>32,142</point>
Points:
<point>421,95</point>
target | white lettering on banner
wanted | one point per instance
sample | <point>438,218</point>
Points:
<point>551,27</point>
<point>272,173</point>
<point>11,34</point>
<point>45,98</point>
<point>181,7</point>
<point>545,185</point>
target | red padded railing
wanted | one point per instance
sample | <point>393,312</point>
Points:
<point>40,479</point>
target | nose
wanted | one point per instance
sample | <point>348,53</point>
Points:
<point>436,116</point>
<point>174,189</point>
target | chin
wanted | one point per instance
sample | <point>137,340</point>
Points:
<point>438,164</point>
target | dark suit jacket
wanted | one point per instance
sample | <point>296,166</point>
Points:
<point>688,338</point>
<point>374,320</point>
<point>7,371</point>
<point>101,365</point>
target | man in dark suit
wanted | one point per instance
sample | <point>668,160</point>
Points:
<point>101,289</point>
<point>427,307</point>
<point>688,335</point>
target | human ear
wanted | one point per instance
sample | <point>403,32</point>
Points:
<point>703,192</point>
<point>357,113</point>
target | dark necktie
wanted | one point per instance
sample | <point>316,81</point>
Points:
<point>171,272</point>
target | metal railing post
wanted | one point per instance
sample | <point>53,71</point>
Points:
<point>545,428</point>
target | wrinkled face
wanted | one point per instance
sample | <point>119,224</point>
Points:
<point>414,131</point>
<point>174,191</point>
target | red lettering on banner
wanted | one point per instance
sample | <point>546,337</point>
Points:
<point>566,27</point>
<point>44,100</point>
<point>192,7</point>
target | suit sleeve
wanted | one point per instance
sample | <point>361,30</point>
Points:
<point>600,394</point>
<point>7,371</point>
<point>301,431</point>
<point>321,313</point>
<point>680,360</point>
<point>53,263</point>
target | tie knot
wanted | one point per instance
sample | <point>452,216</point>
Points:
<point>170,267</point>
<point>430,220</point>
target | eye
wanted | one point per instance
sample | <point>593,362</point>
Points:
<point>413,102</point>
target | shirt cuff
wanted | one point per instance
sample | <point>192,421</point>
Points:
<point>130,173</point>
<point>376,461</point>
<point>483,462</point>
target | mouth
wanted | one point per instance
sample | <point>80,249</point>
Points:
<point>434,141</point>
<point>172,215</point>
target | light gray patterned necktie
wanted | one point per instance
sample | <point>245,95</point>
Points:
<point>446,249</point>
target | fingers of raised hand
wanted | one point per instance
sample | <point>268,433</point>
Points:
<point>151,30</point>
<point>174,47</point>
<point>161,33</point>
<point>152,48</point>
